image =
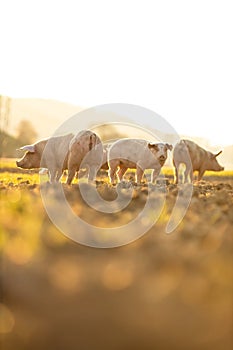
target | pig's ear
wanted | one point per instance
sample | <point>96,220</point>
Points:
<point>169,146</point>
<point>215,155</point>
<point>30,148</point>
<point>153,145</point>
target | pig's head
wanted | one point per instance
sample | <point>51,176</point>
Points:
<point>213,163</point>
<point>31,158</point>
<point>159,151</point>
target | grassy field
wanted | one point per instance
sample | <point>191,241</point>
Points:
<point>159,292</point>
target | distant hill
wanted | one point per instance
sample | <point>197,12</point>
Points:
<point>45,115</point>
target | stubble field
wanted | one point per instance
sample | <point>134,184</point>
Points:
<point>160,292</point>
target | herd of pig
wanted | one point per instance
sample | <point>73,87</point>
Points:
<point>86,151</point>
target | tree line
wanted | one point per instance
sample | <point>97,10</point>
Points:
<point>25,134</point>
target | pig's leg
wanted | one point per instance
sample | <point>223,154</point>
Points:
<point>200,174</point>
<point>121,173</point>
<point>59,175</point>
<point>92,173</point>
<point>112,175</point>
<point>73,166</point>
<point>52,175</point>
<point>154,175</point>
<point>139,174</point>
<point>71,174</point>
<point>112,170</point>
<point>187,173</point>
<point>176,179</point>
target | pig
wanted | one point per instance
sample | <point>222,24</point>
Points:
<point>56,157</point>
<point>136,154</point>
<point>104,165</point>
<point>195,158</point>
<point>85,150</point>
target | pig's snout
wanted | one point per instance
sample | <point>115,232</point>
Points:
<point>162,159</point>
<point>19,163</point>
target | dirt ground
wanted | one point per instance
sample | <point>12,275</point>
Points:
<point>160,292</point>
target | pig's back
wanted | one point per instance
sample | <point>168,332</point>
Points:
<point>195,152</point>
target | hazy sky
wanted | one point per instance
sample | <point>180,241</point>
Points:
<point>174,57</point>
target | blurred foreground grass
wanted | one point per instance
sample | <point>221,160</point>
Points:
<point>160,292</point>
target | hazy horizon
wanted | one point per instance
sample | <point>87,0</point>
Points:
<point>47,115</point>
